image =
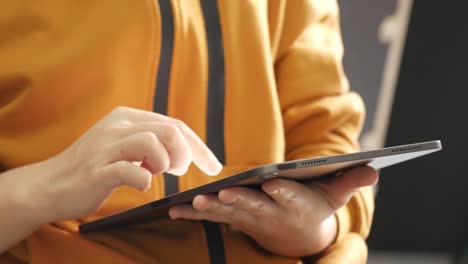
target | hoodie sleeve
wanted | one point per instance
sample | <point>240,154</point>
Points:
<point>321,116</point>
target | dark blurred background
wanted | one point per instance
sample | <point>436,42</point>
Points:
<point>421,206</point>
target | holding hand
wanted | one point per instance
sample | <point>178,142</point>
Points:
<point>287,217</point>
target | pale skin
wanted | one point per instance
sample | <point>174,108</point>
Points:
<point>124,148</point>
<point>128,146</point>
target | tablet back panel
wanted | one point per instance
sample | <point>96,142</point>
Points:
<point>300,170</point>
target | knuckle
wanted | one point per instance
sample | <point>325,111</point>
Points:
<point>164,163</point>
<point>119,168</point>
<point>119,110</point>
<point>90,167</point>
<point>146,174</point>
<point>148,139</point>
<point>159,163</point>
<point>117,173</point>
<point>258,207</point>
<point>115,128</point>
<point>230,211</point>
<point>172,134</point>
<point>174,143</point>
<point>182,160</point>
<point>171,130</point>
<point>180,124</point>
<point>288,197</point>
<point>173,138</point>
<point>146,178</point>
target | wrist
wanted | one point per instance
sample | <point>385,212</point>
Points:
<point>31,195</point>
<point>21,200</point>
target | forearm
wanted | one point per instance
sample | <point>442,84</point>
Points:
<point>21,213</point>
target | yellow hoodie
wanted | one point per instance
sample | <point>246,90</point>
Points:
<point>260,81</point>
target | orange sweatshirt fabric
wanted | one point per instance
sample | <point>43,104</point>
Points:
<point>65,64</point>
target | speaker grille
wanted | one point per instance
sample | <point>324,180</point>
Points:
<point>314,162</point>
<point>406,149</point>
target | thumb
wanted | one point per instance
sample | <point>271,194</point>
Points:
<point>340,188</point>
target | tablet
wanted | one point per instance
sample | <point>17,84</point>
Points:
<point>300,170</point>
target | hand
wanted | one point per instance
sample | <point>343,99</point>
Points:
<point>109,155</point>
<point>287,217</point>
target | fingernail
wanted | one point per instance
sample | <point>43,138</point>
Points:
<point>230,201</point>
<point>267,188</point>
<point>172,216</point>
<point>177,172</point>
<point>216,168</point>
<point>227,197</point>
<point>270,188</point>
<point>274,192</point>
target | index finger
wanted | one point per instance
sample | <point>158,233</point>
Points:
<point>202,155</point>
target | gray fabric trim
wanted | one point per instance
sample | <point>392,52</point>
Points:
<point>171,183</point>
<point>216,80</point>
<point>215,113</point>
